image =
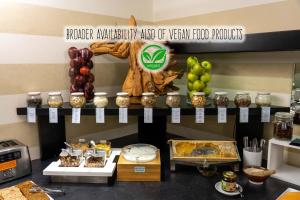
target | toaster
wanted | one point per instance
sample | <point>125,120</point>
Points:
<point>14,160</point>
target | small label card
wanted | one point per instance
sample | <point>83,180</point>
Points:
<point>148,115</point>
<point>76,115</point>
<point>199,116</point>
<point>244,115</point>
<point>139,169</point>
<point>222,115</point>
<point>53,115</point>
<point>31,115</point>
<point>175,115</point>
<point>265,114</point>
<point>100,117</point>
<point>123,115</point>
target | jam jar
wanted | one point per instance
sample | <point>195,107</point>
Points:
<point>198,99</point>
<point>148,99</point>
<point>283,126</point>
<point>77,100</point>
<point>34,99</point>
<point>173,99</point>
<point>122,99</point>
<point>263,99</point>
<point>229,181</point>
<point>221,99</point>
<point>55,99</point>
<point>100,100</point>
<point>242,99</point>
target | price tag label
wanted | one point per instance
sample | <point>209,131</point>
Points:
<point>199,115</point>
<point>244,115</point>
<point>31,115</point>
<point>76,115</point>
<point>222,115</point>
<point>123,115</point>
<point>175,116</point>
<point>100,116</point>
<point>148,115</point>
<point>265,114</point>
<point>53,115</point>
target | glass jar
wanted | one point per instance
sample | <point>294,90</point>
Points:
<point>148,99</point>
<point>173,99</point>
<point>34,99</point>
<point>283,126</point>
<point>77,100</point>
<point>263,99</point>
<point>105,146</point>
<point>55,99</point>
<point>122,99</point>
<point>229,181</point>
<point>242,99</point>
<point>100,99</point>
<point>198,99</point>
<point>221,99</point>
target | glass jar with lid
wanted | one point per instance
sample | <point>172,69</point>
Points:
<point>198,99</point>
<point>148,99</point>
<point>283,126</point>
<point>263,99</point>
<point>34,99</point>
<point>242,99</point>
<point>100,100</point>
<point>229,181</point>
<point>221,99</point>
<point>77,99</point>
<point>122,99</point>
<point>173,99</point>
<point>55,99</point>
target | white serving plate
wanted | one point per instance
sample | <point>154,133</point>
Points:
<point>107,171</point>
<point>218,187</point>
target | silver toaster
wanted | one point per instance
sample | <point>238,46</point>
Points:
<point>14,160</point>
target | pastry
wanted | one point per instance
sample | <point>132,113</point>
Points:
<point>26,186</point>
<point>11,193</point>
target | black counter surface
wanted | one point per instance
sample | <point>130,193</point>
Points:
<point>184,184</point>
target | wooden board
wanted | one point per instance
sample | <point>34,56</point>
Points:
<point>134,171</point>
<point>194,144</point>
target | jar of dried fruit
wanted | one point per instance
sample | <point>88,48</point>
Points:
<point>221,99</point>
<point>34,99</point>
<point>77,100</point>
<point>122,99</point>
<point>148,99</point>
<point>283,126</point>
<point>173,99</point>
<point>198,99</point>
<point>55,99</point>
<point>242,99</point>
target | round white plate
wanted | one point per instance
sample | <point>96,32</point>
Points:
<point>218,187</point>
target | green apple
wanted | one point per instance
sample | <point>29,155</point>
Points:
<point>190,86</point>
<point>206,65</point>
<point>198,85</point>
<point>197,69</point>
<point>207,91</point>
<point>191,61</point>
<point>205,77</point>
<point>191,93</point>
<point>192,77</point>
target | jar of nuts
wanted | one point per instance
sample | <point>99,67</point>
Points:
<point>148,99</point>
<point>77,99</point>
<point>263,99</point>
<point>173,99</point>
<point>122,99</point>
<point>283,126</point>
<point>242,99</point>
<point>100,99</point>
<point>55,99</point>
<point>221,99</point>
<point>34,99</point>
<point>198,99</point>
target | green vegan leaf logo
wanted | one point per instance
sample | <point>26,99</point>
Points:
<point>153,57</point>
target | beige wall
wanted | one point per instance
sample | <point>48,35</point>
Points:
<point>33,56</point>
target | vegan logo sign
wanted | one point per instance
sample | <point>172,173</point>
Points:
<point>153,57</point>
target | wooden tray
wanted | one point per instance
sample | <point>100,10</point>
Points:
<point>196,150</point>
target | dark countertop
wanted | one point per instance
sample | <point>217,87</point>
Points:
<point>185,183</point>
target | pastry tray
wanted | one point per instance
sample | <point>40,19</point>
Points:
<point>215,158</point>
<point>83,174</point>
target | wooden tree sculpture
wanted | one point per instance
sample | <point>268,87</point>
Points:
<point>137,80</point>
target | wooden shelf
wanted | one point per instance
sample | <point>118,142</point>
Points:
<point>257,42</point>
<point>161,109</point>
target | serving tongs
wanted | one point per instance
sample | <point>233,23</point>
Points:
<point>36,189</point>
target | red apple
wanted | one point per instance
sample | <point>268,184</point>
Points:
<point>90,78</point>
<point>86,54</point>
<point>73,52</point>
<point>76,62</point>
<point>73,72</point>
<point>79,80</point>
<point>90,64</point>
<point>84,70</point>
